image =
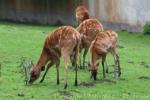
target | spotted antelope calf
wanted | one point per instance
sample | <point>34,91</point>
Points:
<point>88,30</point>
<point>104,43</point>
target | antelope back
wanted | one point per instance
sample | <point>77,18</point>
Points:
<point>104,41</point>
<point>60,38</point>
<point>89,25</point>
<point>88,30</point>
<point>69,35</point>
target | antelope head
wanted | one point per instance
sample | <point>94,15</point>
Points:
<point>35,73</point>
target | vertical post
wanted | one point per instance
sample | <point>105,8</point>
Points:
<point>97,8</point>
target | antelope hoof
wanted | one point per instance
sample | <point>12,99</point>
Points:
<point>76,83</point>
<point>95,78</point>
<point>58,82</point>
<point>106,70</point>
<point>41,80</point>
<point>119,74</point>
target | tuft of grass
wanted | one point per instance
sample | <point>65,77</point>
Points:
<point>146,28</point>
<point>25,66</point>
<point>23,40</point>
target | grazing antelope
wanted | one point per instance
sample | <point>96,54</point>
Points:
<point>88,30</point>
<point>63,41</point>
<point>81,13</point>
<point>104,43</point>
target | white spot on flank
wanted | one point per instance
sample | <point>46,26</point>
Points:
<point>73,36</point>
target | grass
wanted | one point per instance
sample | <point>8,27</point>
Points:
<point>24,40</point>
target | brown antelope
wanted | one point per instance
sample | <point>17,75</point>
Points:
<point>104,43</point>
<point>81,13</point>
<point>63,41</point>
<point>88,30</point>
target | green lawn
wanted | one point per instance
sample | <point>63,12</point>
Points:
<point>24,40</point>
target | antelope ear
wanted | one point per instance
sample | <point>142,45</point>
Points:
<point>43,68</point>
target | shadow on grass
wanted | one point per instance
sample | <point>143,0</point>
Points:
<point>144,78</point>
<point>99,81</point>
